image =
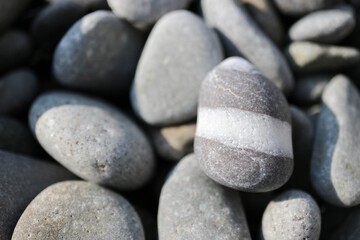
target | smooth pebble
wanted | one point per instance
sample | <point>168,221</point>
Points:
<point>301,7</point>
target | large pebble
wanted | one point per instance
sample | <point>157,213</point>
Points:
<point>178,54</point>
<point>301,7</point>
<point>99,53</point>
<point>144,13</point>
<point>292,215</point>
<point>21,179</point>
<point>17,90</point>
<point>335,168</point>
<point>350,229</point>
<point>192,206</point>
<point>79,210</point>
<point>307,57</point>
<point>242,37</point>
<point>9,11</point>
<point>243,135</point>
<point>325,26</point>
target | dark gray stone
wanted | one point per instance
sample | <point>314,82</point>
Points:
<point>350,229</point>
<point>9,11</point>
<point>90,5</point>
<point>301,7</point>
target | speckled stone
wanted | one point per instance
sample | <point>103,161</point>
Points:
<point>9,11</point>
<point>242,37</point>
<point>292,215</point>
<point>53,22</point>
<point>16,137</point>
<point>99,53</point>
<point>325,26</point>
<point>21,179</point>
<point>335,168</point>
<point>243,135</point>
<point>96,144</point>
<point>178,54</point>
<point>308,57</point>
<point>301,7</point>
<point>145,13</point>
<point>90,5</point>
<point>265,16</point>
<point>192,206</point>
<point>350,229</point>
<point>17,90</point>
<point>308,89</point>
<point>79,210</point>
<point>15,49</point>
<point>174,142</point>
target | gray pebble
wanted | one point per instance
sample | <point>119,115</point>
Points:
<point>17,90</point>
<point>174,142</point>
<point>301,7</point>
<point>99,53</point>
<point>350,229</point>
<point>15,49</point>
<point>292,215</point>
<point>21,179</point>
<point>192,206</point>
<point>242,37</point>
<point>335,168</point>
<point>79,210</point>
<point>9,11</point>
<point>178,54</point>
<point>308,57</point>
<point>90,5</point>
<point>325,26</point>
<point>143,14</point>
<point>243,134</point>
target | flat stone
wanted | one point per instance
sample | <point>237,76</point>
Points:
<point>178,54</point>
<point>174,142</point>
<point>9,11</point>
<point>335,169</point>
<point>301,7</point>
<point>78,210</point>
<point>243,135</point>
<point>99,53</point>
<point>350,229</point>
<point>17,90</point>
<point>21,179</point>
<point>143,14</point>
<point>192,206</point>
<point>308,57</point>
<point>325,26</point>
<point>292,215</point>
<point>242,37</point>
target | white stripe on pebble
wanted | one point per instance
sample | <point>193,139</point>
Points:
<point>244,129</point>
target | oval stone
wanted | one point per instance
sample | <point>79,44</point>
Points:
<point>243,135</point>
<point>301,7</point>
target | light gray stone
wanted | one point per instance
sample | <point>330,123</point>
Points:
<point>78,210</point>
<point>9,11</point>
<point>335,168</point>
<point>308,89</point>
<point>192,206</point>
<point>178,54</point>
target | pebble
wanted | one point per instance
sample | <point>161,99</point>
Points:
<point>17,90</point>
<point>99,53</point>
<point>53,22</point>
<point>90,5</point>
<point>266,17</point>
<point>301,7</point>
<point>335,169</point>
<point>242,37</point>
<point>243,135</point>
<point>79,210</point>
<point>174,142</point>
<point>98,145</point>
<point>192,206</point>
<point>308,89</point>
<point>309,57</point>
<point>143,14</point>
<point>325,26</point>
<point>168,79</point>
<point>15,49</point>
<point>9,11</point>
<point>21,179</point>
<point>350,229</point>
<point>291,215</point>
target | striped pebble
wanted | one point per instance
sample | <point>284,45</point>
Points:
<point>243,136</point>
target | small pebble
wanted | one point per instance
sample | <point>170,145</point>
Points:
<point>291,215</point>
<point>78,210</point>
<point>242,37</point>
<point>301,7</point>
<point>9,11</point>
<point>335,167</point>
<point>168,79</point>
<point>308,57</point>
<point>21,179</point>
<point>325,26</point>
<point>350,229</point>
<point>99,53</point>
<point>192,206</point>
<point>243,135</point>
